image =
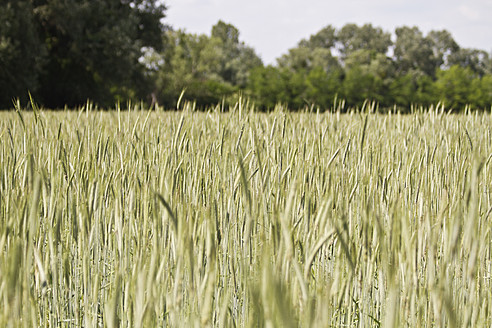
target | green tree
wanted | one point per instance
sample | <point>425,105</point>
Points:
<point>325,38</point>
<point>266,86</point>
<point>427,93</point>
<point>443,46</point>
<point>322,87</point>
<point>304,58</point>
<point>475,59</point>
<point>352,38</point>
<point>210,68</point>
<point>189,62</point>
<point>413,52</point>
<point>21,52</point>
<point>481,95</point>
<point>412,88</point>
<point>94,48</point>
<point>368,75</point>
<point>402,90</point>
<point>295,89</point>
<point>454,86</point>
<point>358,85</point>
<point>312,74</point>
<point>236,58</point>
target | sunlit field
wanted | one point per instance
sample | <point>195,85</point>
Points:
<point>242,219</point>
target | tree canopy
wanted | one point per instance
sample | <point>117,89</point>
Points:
<point>359,63</point>
<point>21,51</point>
<point>66,52</point>
<point>79,49</point>
<point>207,67</point>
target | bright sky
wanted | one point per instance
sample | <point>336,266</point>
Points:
<point>271,27</point>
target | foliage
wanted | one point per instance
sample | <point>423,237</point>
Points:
<point>353,38</point>
<point>415,74</point>
<point>413,52</point>
<point>322,87</point>
<point>88,49</point>
<point>208,68</point>
<point>235,57</point>
<point>267,86</point>
<point>477,60</point>
<point>21,52</point>
<point>65,52</point>
<point>460,86</point>
<point>94,47</point>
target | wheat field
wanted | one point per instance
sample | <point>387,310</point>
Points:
<point>134,218</point>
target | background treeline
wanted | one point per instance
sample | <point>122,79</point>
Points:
<point>353,63</point>
<point>65,52</point>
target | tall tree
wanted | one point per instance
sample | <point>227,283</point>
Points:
<point>312,73</point>
<point>236,57</point>
<point>481,95</point>
<point>267,86</point>
<point>368,75</point>
<point>322,87</point>
<point>413,52</point>
<point>352,38</point>
<point>475,59</point>
<point>325,38</point>
<point>443,46</point>
<point>189,62</point>
<point>21,52</point>
<point>208,67</point>
<point>94,48</point>
<point>454,86</point>
<point>304,58</point>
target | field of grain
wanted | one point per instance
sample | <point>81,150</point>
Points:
<point>243,219</point>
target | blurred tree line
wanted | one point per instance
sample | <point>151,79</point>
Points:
<point>64,52</point>
<point>356,63</point>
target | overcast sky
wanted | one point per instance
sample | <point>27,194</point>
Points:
<point>271,27</point>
